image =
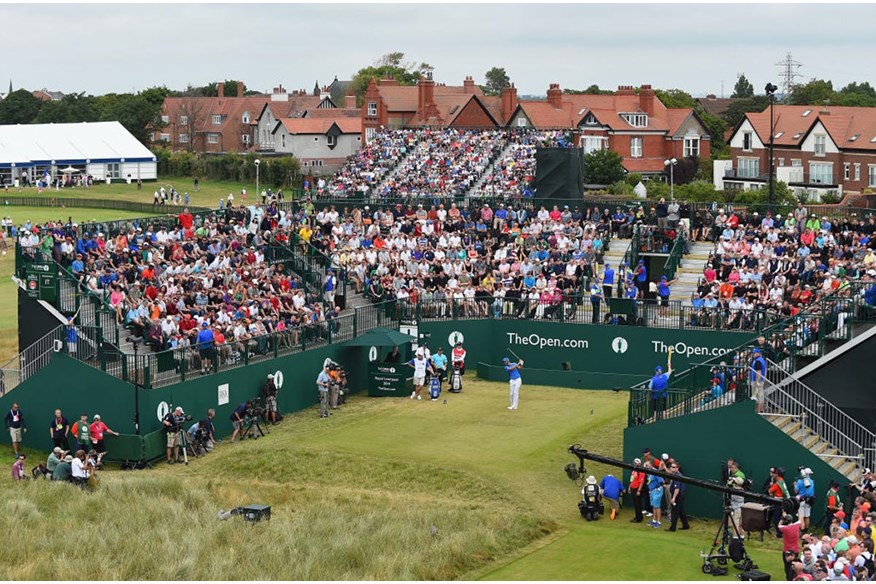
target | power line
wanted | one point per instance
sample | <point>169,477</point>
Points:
<point>788,73</point>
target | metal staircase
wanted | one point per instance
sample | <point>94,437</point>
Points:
<point>821,427</point>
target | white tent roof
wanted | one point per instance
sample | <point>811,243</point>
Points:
<point>63,144</point>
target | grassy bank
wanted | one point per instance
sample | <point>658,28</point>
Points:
<point>356,496</point>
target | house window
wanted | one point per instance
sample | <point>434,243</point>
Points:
<point>636,120</point>
<point>747,141</point>
<point>372,108</point>
<point>821,173</point>
<point>165,137</point>
<point>749,167</point>
<point>521,122</point>
<point>245,139</point>
<point>212,138</point>
<point>820,144</point>
<point>369,134</point>
<point>183,138</point>
<point>152,136</point>
<point>331,141</point>
<point>781,162</point>
<point>636,147</point>
<point>857,171</point>
<point>593,143</point>
<point>183,120</point>
<point>282,140</point>
<point>691,147</point>
<point>113,170</point>
<point>245,118</point>
<point>217,120</point>
<point>871,175</point>
<point>316,163</point>
<point>847,171</point>
<point>165,119</point>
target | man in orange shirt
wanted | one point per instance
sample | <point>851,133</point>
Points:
<point>637,484</point>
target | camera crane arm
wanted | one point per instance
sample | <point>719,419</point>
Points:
<point>583,455</point>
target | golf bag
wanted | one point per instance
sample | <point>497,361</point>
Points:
<point>455,381</point>
<point>435,387</point>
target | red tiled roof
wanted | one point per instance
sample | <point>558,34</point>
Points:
<point>321,125</point>
<point>543,115</point>
<point>643,164</point>
<point>334,113</point>
<point>676,117</point>
<point>842,123</point>
<point>717,105</point>
<point>405,98</point>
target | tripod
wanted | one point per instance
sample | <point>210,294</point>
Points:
<point>727,544</point>
<point>183,443</point>
<point>253,428</point>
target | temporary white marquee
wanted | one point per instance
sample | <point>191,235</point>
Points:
<point>100,149</point>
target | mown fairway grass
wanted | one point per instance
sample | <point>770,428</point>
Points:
<point>208,196</point>
<point>355,497</point>
<point>8,295</point>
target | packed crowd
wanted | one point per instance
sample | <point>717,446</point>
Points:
<point>207,289</point>
<point>365,170</point>
<point>783,265</point>
<point>514,173</point>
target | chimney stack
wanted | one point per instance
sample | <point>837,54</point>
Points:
<point>646,99</point>
<point>555,96</point>
<point>240,89</point>
<point>350,101</point>
<point>509,102</point>
<point>468,84</point>
<point>220,87</point>
<point>426,93</point>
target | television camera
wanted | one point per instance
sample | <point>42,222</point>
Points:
<point>725,545</point>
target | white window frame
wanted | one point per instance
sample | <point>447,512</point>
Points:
<point>521,122</point>
<point>216,119</point>
<point>152,136</point>
<point>692,147</point>
<point>164,137</point>
<point>747,137</point>
<point>245,138</point>
<point>636,120</point>
<point>857,171</point>
<point>245,118</point>
<point>820,144</point>
<point>369,134</point>
<point>372,109</point>
<point>331,140</point>
<point>183,138</point>
<point>748,163</point>
<point>165,119</point>
<point>212,138</point>
<point>316,163</point>
<point>871,175</point>
<point>847,171</point>
<point>822,172</point>
<point>636,147</point>
<point>184,120</point>
<point>796,162</point>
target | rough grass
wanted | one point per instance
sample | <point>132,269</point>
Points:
<point>354,497</point>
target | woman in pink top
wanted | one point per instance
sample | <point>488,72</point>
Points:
<point>117,298</point>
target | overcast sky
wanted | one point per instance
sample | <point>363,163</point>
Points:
<point>106,48</point>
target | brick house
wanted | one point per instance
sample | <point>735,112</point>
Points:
<point>390,105</point>
<point>635,125</point>
<point>815,149</point>
<point>209,124</point>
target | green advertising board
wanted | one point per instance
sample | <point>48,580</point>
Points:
<point>388,380</point>
<point>41,282</point>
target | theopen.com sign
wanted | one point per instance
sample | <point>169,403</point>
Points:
<point>682,348</point>
<point>536,340</point>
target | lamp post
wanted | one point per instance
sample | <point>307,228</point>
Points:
<point>770,90</point>
<point>671,164</point>
<point>257,164</point>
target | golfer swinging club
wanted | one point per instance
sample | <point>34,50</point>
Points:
<point>514,380</point>
<point>659,386</point>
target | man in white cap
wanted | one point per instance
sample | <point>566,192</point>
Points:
<point>420,364</point>
<point>269,394</point>
<point>805,489</point>
<point>637,487</point>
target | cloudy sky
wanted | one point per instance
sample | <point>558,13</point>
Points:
<point>106,47</point>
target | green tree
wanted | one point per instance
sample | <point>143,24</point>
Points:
<point>72,108</point>
<point>391,65</point>
<point>19,107</point>
<point>230,88</point>
<point>743,88</point>
<point>496,80</point>
<point>675,98</point>
<point>856,95</point>
<point>603,167</point>
<point>738,109</point>
<point>135,112</point>
<point>592,90</point>
<point>816,92</point>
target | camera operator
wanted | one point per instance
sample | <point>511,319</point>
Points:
<point>323,381</point>
<point>804,487</point>
<point>335,376</point>
<point>269,395</point>
<point>210,429</point>
<point>173,424</point>
<point>237,418</point>
<point>736,480</point>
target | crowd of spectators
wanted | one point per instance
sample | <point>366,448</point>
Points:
<point>783,265</point>
<point>166,284</point>
<point>365,170</point>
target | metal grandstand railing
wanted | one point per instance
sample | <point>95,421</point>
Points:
<point>18,369</point>
<point>786,395</point>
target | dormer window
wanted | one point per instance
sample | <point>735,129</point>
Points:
<point>855,137</point>
<point>636,120</point>
<point>806,113</point>
<point>245,117</point>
